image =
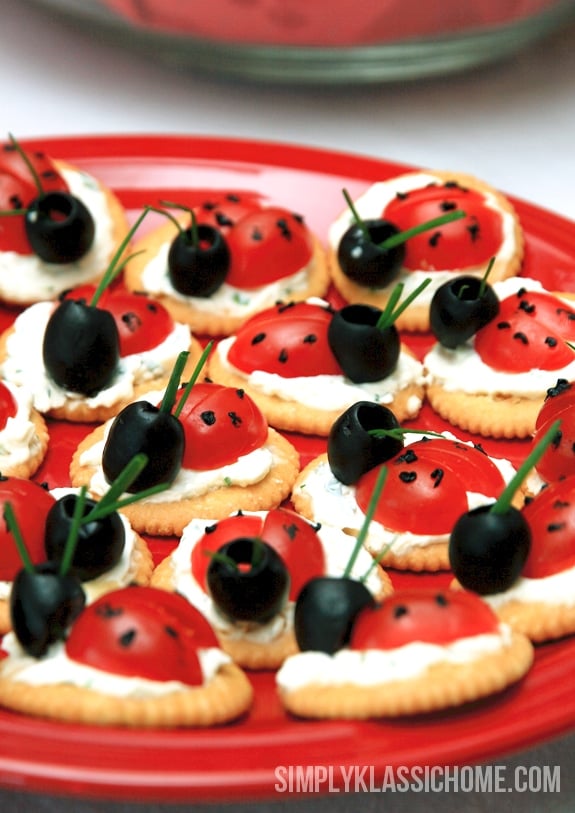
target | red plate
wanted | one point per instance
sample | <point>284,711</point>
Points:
<point>239,761</point>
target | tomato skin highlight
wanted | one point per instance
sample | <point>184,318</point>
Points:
<point>422,615</point>
<point>290,341</point>
<point>465,243</point>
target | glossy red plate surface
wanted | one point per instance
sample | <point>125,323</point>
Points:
<point>239,761</point>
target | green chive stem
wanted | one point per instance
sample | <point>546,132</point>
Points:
<point>174,382</point>
<point>193,379</point>
<point>504,500</point>
<point>377,489</point>
<point>390,315</point>
<point>72,540</point>
<point>115,267</point>
<point>14,528</point>
<point>483,285</point>
<point>377,559</point>
<point>403,236</point>
<point>33,173</point>
<point>359,221</point>
<point>399,432</point>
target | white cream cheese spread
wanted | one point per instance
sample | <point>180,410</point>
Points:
<point>374,666</point>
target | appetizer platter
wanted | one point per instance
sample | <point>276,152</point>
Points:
<point>270,194</point>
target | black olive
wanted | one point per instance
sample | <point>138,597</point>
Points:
<point>325,611</point>
<point>363,260</point>
<point>352,450</point>
<point>364,351</point>
<point>255,588</point>
<point>198,268</point>
<point>59,227</point>
<point>487,550</point>
<point>142,428</point>
<point>459,308</point>
<point>100,542</point>
<point>43,604</point>
<point>81,347</point>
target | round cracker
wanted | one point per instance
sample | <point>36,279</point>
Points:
<point>441,686</point>
<point>225,697</point>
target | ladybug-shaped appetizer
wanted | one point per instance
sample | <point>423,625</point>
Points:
<point>66,227</point>
<point>430,483</point>
<point>490,228</point>
<point>304,364</point>
<point>240,257</point>
<point>258,634</point>
<point>539,602</point>
<point>82,363</point>
<point>23,432</point>
<point>136,657</point>
<point>231,459</point>
<point>495,383</point>
<point>420,650</point>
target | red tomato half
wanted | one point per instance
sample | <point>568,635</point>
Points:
<point>422,615</point>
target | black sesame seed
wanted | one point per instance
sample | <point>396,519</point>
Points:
<point>126,639</point>
<point>208,417</point>
<point>437,476</point>
<point>408,476</point>
<point>234,418</point>
<point>400,610</point>
<point>259,337</point>
<point>283,356</point>
<point>521,337</point>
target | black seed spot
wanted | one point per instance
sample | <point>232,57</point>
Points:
<point>408,456</point>
<point>291,530</point>
<point>503,325</point>
<point>234,418</point>
<point>208,417</point>
<point>448,205</point>
<point>209,529</point>
<point>437,476</point>
<point>259,337</point>
<point>132,321</point>
<point>223,220</point>
<point>283,356</point>
<point>257,235</point>
<point>556,526</point>
<point>473,231</point>
<point>521,337</point>
<point>171,632</point>
<point>311,338</point>
<point>441,600</point>
<point>526,306</point>
<point>400,610</point>
<point>107,611</point>
<point>408,476</point>
<point>240,393</point>
<point>127,638</point>
<point>434,239</point>
<point>551,341</point>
